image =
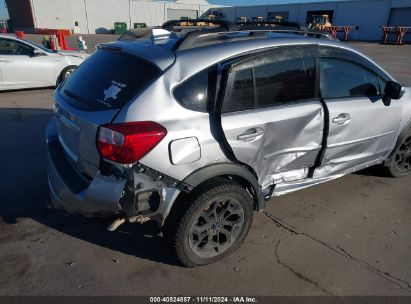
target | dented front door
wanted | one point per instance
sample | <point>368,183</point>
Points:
<point>362,127</point>
<point>271,117</point>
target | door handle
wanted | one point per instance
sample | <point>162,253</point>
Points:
<point>342,119</point>
<point>5,60</point>
<point>251,134</point>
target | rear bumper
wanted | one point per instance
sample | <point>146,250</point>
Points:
<point>70,190</point>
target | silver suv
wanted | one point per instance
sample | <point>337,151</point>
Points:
<point>196,131</point>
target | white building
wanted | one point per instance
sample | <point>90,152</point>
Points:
<point>99,16</point>
<point>366,16</point>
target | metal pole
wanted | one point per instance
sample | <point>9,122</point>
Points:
<point>129,14</point>
<point>85,9</point>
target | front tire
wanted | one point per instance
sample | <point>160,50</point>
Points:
<point>211,224</point>
<point>400,164</point>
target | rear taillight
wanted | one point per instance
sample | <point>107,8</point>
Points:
<point>128,142</point>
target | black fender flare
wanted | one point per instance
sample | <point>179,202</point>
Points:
<point>228,169</point>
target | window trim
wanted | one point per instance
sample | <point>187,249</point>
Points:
<point>284,55</point>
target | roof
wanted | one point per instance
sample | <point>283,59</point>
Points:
<point>207,47</point>
<point>172,43</point>
<point>202,38</point>
<point>208,55</point>
<point>8,35</point>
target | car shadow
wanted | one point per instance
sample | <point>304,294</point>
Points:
<point>25,194</point>
<point>375,171</point>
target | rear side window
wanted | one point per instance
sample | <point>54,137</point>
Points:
<point>270,84</point>
<point>241,95</point>
<point>343,78</point>
<point>196,92</point>
<point>108,80</point>
<point>285,81</point>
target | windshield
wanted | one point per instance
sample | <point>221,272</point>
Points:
<point>39,46</point>
<point>107,80</point>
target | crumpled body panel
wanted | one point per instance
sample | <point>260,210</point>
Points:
<point>368,134</point>
<point>291,141</point>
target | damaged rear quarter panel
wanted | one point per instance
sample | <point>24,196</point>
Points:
<point>181,123</point>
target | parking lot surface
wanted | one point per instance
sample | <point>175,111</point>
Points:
<point>350,236</point>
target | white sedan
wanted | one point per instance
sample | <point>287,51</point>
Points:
<point>24,64</point>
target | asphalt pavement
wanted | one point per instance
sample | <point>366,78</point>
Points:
<point>350,236</point>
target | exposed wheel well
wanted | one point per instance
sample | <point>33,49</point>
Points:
<point>241,180</point>
<point>183,196</point>
<point>400,138</point>
<point>63,71</point>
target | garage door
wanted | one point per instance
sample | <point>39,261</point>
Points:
<point>176,14</point>
<point>400,16</point>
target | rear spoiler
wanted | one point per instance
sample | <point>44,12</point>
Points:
<point>153,34</point>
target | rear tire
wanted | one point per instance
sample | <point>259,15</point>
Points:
<point>400,164</point>
<point>210,224</point>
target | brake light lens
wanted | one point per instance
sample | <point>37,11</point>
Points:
<point>127,143</point>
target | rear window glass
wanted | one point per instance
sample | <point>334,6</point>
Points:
<point>108,80</point>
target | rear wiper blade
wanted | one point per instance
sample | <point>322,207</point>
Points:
<point>74,96</point>
<point>77,97</point>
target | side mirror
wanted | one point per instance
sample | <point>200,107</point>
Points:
<point>392,90</point>
<point>37,53</point>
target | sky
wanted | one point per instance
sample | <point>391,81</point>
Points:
<point>3,10</point>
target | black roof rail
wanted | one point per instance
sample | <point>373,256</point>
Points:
<point>268,24</point>
<point>198,24</point>
<point>181,27</point>
<point>191,33</point>
<point>202,38</point>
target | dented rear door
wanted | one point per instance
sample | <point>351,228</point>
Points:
<point>271,117</point>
